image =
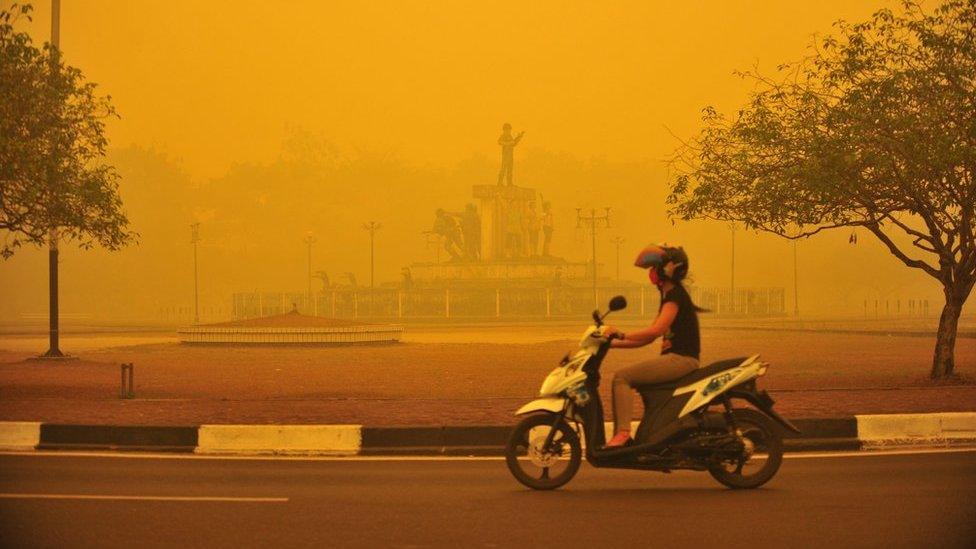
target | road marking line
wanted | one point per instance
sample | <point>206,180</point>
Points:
<point>880,453</point>
<point>144,498</point>
<point>127,455</point>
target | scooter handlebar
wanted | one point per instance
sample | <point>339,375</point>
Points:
<point>599,333</point>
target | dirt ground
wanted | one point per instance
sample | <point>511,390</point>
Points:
<point>450,380</point>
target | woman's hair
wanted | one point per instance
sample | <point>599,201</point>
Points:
<point>677,279</point>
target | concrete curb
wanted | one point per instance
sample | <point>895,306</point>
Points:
<point>279,439</point>
<point>885,430</point>
<point>116,437</point>
<point>818,434</point>
<point>20,435</point>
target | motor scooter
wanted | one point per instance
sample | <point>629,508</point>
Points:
<point>689,423</point>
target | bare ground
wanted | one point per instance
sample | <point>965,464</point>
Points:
<point>452,381</point>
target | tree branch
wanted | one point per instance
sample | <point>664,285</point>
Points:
<point>893,248</point>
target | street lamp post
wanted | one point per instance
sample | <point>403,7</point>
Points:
<point>372,227</point>
<point>592,220</point>
<point>617,241</point>
<point>309,240</point>
<point>194,239</point>
<point>54,350</point>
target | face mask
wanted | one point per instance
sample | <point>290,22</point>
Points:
<point>652,274</point>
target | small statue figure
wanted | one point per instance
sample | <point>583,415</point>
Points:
<point>471,227</point>
<point>449,228</point>
<point>324,277</point>
<point>508,143</point>
<point>546,228</point>
<point>533,224</point>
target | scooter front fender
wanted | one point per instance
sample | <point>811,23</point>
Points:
<point>548,404</point>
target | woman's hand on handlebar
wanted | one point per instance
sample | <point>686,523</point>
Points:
<point>612,333</point>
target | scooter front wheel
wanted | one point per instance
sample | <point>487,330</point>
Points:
<point>537,465</point>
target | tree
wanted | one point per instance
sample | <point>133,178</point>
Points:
<point>52,146</point>
<point>874,128</point>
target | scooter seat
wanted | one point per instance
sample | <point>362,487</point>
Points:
<point>697,375</point>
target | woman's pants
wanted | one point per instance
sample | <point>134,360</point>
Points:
<point>664,368</point>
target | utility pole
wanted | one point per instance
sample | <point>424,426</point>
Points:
<point>54,350</point>
<point>372,227</point>
<point>592,219</point>
<point>796,297</point>
<point>309,240</point>
<point>194,239</point>
<point>617,241</point>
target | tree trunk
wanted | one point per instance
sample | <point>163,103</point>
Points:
<point>945,341</point>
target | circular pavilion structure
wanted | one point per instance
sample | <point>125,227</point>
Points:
<point>290,329</point>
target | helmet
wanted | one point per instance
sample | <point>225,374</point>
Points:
<point>663,262</point>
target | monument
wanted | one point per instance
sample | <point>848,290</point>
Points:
<point>504,236</point>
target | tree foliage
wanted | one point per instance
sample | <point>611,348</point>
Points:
<point>875,128</point>
<point>52,148</point>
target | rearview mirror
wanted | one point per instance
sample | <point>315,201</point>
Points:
<point>618,302</point>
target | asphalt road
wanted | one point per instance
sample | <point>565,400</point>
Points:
<point>913,500</point>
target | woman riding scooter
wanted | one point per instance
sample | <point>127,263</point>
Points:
<point>676,323</point>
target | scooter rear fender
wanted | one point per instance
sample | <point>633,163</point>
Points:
<point>760,399</point>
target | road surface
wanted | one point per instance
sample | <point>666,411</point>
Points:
<point>840,500</point>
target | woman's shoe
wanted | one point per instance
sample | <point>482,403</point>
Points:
<point>622,438</point>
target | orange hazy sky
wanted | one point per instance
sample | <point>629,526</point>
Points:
<point>218,82</point>
<point>214,84</point>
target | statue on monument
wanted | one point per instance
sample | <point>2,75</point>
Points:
<point>448,228</point>
<point>546,228</point>
<point>471,227</point>
<point>533,224</point>
<point>508,143</point>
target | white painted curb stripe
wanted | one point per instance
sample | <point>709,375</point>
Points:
<point>280,439</point>
<point>144,498</point>
<point>944,426</point>
<point>20,435</point>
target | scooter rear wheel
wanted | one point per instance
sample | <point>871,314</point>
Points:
<point>763,455</point>
<point>543,468</point>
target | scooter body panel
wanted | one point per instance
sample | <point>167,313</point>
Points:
<point>702,392</point>
<point>548,404</point>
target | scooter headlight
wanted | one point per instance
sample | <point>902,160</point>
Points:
<point>762,369</point>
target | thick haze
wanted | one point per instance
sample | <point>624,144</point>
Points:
<point>264,121</point>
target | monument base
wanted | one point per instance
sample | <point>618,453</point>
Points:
<point>532,271</point>
<point>290,329</point>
